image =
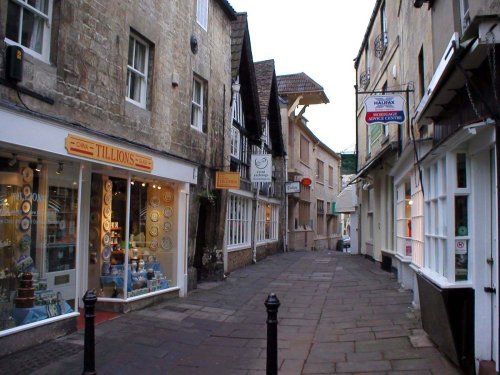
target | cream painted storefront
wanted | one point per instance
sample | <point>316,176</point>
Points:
<point>80,210</point>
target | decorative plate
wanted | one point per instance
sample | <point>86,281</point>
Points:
<point>94,218</point>
<point>107,212</point>
<point>106,253</point>
<point>106,238</point>
<point>166,243</point>
<point>27,174</point>
<point>153,245</point>
<point>25,243</point>
<point>106,224</point>
<point>154,201</point>
<point>167,226</point>
<point>107,198</point>
<point>26,207</point>
<point>108,185</point>
<point>25,223</point>
<point>26,191</point>
<point>154,216</point>
<point>168,195</point>
<point>153,231</point>
<point>167,212</point>
<point>93,234</point>
<point>95,201</point>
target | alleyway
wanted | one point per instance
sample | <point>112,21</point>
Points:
<point>339,314</point>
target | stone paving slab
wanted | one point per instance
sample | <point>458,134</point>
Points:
<point>339,314</point>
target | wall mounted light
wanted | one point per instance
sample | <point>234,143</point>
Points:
<point>38,167</point>
<point>60,168</point>
<point>13,161</point>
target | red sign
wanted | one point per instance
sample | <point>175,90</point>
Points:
<point>306,181</point>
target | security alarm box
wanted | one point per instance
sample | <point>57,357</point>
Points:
<point>14,63</point>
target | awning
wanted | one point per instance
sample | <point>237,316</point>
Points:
<point>363,171</point>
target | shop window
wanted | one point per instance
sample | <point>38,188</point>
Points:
<point>28,25</point>
<point>137,70</point>
<point>404,224</point>
<point>238,221</point>
<point>446,240</point>
<point>202,13</point>
<point>133,249</point>
<point>38,231</point>
<point>267,222</point>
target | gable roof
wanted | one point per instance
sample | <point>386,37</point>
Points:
<point>242,66</point>
<point>268,101</point>
<point>300,84</point>
<point>227,8</point>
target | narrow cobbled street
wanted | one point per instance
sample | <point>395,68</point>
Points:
<point>339,313</point>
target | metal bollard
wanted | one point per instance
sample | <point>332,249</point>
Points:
<point>89,301</point>
<point>272,304</point>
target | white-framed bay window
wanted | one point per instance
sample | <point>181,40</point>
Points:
<point>137,70</point>
<point>235,142</point>
<point>28,25</point>
<point>447,245</point>
<point>238,221</point>
<point>267,215</point>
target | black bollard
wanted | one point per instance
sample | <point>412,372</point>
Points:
<point>89,301</point>
<point>272,304</point>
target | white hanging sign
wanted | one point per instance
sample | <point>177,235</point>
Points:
<point>261,169</point>
<point>384,109</point>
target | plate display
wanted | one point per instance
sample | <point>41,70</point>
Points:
<point>154,201</point>
<point>107,212</point>
<point>167,226</point>
<point>26,207</point>
<point>166,243</point>
<point>107,198</point>
<point>106,253</point>
<point>109,185</point>
<point>167,212</point>
<point>26,191</point>
<point>27,174</point>
<point>106,238</point>
<point>168,195</point>
<point>154,244</point>
<point>25,242</point>
<point>106,225</point>
<point>154,216</point>
<point>153,231</point>
<point>25,223</point>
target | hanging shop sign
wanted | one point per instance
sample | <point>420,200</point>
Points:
<point>227,180</point>
<point>292,187</point>
<point>306,181</point>
<point>90,149</point>
<point>261,168</point>
<point>384,109</point>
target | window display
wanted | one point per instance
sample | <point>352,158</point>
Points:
<point>38,210</point>
<point>121,265</point>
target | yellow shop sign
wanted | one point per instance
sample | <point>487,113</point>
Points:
<point>79,146</point>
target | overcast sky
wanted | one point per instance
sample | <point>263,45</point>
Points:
<point>320,38</point>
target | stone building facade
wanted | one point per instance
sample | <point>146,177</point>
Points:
<point>115,126</point>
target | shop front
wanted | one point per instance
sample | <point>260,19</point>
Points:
<point>79,211</point>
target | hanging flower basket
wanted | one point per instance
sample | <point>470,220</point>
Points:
<point>207,197</point>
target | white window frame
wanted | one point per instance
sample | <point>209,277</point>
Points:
<point>262,235</point>
<point>235,142</point>
<point>45,51</point>
<point>197,107</point>
<point>202,13</point>
<point>132,70</point>
<point>265,134</point>
<point>403,203</point>
<point>238,222</point>
<point>439,220</point>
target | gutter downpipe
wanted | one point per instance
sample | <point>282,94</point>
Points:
<point>285,242</point>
